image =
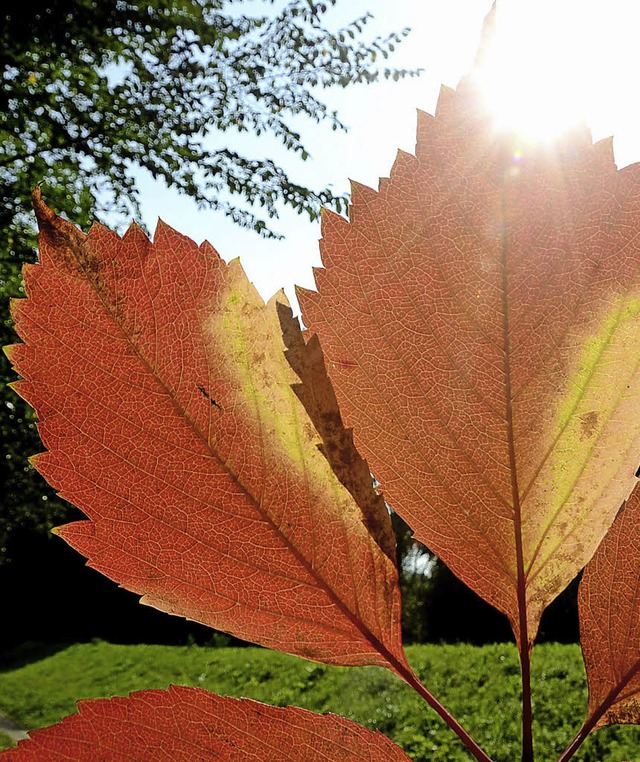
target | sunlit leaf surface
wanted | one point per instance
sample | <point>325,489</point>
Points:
<point>480,317</point>
<point>610,621</point>
<point>165,405</point>
<point>192,724</point>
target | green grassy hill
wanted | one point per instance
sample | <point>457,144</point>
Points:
<point>480,686</point>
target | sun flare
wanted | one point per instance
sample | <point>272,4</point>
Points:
<point>550,62</point>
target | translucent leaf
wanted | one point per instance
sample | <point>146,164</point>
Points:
<point>480,318</point>
<point>166,409</point>
<point>190,723</point>
<point>609,603</point>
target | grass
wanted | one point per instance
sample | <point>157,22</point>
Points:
<point>480,686</point>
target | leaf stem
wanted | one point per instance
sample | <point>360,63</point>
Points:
<point>593,719</point>
<point>527,711</point>
<point>579,738</point>
<point>410,677</point>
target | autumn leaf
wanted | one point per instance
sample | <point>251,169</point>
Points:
<point>609,602</point>
<point>166,408</point>
<point>319,400</point>
<point>480,319</point>
<point>191,723</point>
<point>477,324</point>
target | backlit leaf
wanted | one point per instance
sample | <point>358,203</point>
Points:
<point>480,319</point>
<point>319,400</point>
<point>609,602</point>
<point>193,724</point>
<point>165,405</point>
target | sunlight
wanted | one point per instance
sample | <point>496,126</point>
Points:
<point>550,63</point>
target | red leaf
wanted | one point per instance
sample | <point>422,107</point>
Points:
<point>609,603</point>
<point>165,404</point>
<point>190,723</point>
<point>480,316</point>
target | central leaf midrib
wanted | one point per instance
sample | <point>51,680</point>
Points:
<point>513,472</point>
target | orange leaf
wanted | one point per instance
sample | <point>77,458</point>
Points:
<point>165,404</point>
<point>480,319</point>
<point>319,400</point>
<point>191,723</point>
<point>609,601</point>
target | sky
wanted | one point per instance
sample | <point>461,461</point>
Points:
<point>555,62</point>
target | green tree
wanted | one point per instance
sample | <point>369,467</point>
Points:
<point>91,92</point>
<point>415,565</point>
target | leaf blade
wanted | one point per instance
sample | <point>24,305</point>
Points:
<point>476,314</point>
<point>609,606</point>
<point>182,722</point>
<point>197,467</point>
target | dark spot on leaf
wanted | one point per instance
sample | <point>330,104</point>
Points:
<point>206,394</point>
<point>588,424</point>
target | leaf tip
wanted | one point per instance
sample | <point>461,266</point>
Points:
<point>8,350</point>
<point>280,300</point>
<point>164,234</point>
<point>33,459</point>
<point>44,214</point>
<point>210,250</point>
<point>14,385</point>
<point>283,308</point>
<point>50,222</point>
<point>59,239</point>
<point>332,221</point>
<point>360,191</point>
<point>302,292</point>
<point>136,232</point>
<point>446,96</point>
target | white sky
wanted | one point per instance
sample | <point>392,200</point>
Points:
<point>556,57</point>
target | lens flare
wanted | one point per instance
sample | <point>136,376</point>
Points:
<point>537,71</point>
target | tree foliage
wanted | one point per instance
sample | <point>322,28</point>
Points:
<point>91,91</point>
